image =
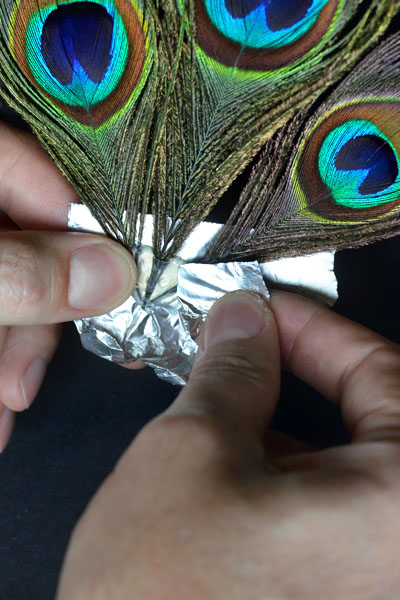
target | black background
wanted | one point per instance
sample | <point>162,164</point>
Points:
<point>88,411</point>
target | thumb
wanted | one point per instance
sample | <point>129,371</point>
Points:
<point>50,277</point>
<point>236,375</point>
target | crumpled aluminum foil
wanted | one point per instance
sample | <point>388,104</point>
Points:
<point>160,323</point>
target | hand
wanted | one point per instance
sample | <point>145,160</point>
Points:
<point>43,280</point>
<point>209,504</point>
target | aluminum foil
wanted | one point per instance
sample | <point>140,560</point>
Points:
<point>160,323</point>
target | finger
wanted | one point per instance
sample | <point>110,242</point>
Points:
<point>236,377</point>
<point>7,419</point>
<point>135,365</point>
<point>52,277</point>
<point>346,362</point>
<point>23,363</point>
<point>33,191</point>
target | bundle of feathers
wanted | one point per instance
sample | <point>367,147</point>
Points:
<point>156,106</point>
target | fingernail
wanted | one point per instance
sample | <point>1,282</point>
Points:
<point>7,418</point>
<point>236,316</point>
<point>99,276</point>
<point>32,379</point>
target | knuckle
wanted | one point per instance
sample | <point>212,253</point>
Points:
<point>378,415</point>
<point>21,283</point>
<point>384,357</point>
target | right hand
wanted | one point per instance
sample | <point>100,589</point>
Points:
<point>209,503</point>
<point>47,275</point>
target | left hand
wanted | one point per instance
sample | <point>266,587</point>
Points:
<point>207,504</point>
<point>43,280</point>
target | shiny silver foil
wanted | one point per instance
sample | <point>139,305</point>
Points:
<point>160,323</point>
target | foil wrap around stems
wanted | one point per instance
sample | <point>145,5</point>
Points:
<point>160,323</point>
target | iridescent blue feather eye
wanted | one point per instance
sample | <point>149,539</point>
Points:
<point>239,9</point>
<point>262,35</point>
<point>264,23</point>
<point>80,32</point>
<point>87,56</point>
<point>349,169</point>
<point>371,154</point>
<point>359,165</point>
<point>283,14</point>
<point>84,50</point>
<point>279,14</point>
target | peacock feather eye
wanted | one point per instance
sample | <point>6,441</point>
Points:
<point>359,165</point>
<point>349,169</point>
<point>87,56</point>
<point>262,35</point>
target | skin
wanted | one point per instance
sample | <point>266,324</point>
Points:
<point>208,503</point>
<point>35,275</point>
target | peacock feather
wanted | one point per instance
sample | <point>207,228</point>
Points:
<point>158,106</point>
<point>252,65</point>
<point>329,179</point>
<point>84,65</point>
<point>82,73</point>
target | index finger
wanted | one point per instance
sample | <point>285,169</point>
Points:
<point>33,192</point>
<point>344,361</point>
